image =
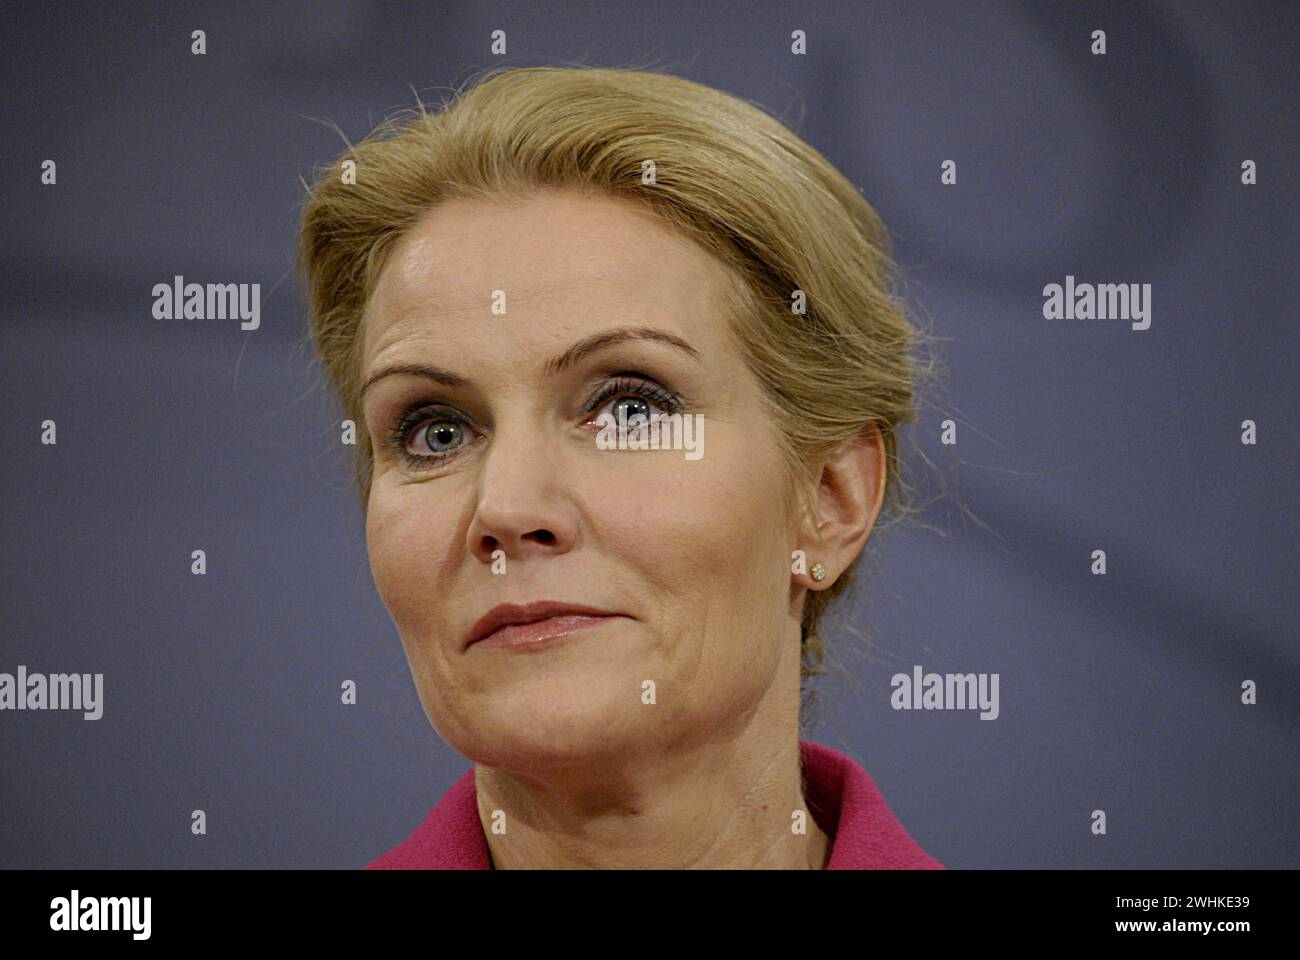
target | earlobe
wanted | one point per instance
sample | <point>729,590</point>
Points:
<point>817,573</point>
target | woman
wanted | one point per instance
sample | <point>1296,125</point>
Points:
<point>510,295</point>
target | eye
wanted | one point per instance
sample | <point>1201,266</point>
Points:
<point>427,437</point>
<point>628,397</point>
<point>625,408</point>
<point>442,436</point>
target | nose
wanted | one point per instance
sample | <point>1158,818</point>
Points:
<point>524,507</point>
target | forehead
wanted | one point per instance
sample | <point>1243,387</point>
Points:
<point>564,260</point>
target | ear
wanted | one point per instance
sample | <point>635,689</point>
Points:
<point>849,497</point>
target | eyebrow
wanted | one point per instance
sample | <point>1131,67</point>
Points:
<point>568,358</point>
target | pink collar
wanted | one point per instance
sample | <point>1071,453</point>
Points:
<point>842,798</point>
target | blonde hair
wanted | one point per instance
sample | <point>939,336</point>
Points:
<point>724,172</point>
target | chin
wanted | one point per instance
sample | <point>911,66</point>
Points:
<point>554,721</point>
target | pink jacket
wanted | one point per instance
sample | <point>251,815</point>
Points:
<point>842,798</point>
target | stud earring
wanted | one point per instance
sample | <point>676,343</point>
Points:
<point>818,572</point>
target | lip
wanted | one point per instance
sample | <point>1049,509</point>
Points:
<point>509,624</point>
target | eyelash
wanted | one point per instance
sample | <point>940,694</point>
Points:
<point>420,414</point>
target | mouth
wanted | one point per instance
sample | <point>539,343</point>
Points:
<point>534,624</point>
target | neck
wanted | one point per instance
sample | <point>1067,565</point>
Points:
<point>729,801</point>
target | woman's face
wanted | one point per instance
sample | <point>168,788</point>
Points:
<point>516,503</point>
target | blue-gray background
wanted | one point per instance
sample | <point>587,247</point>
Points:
<point>1119,692</point>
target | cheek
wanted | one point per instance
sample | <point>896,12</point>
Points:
<point>413,547</point>
<point>703,537</point>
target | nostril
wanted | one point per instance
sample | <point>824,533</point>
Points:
<point>542,536</point>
